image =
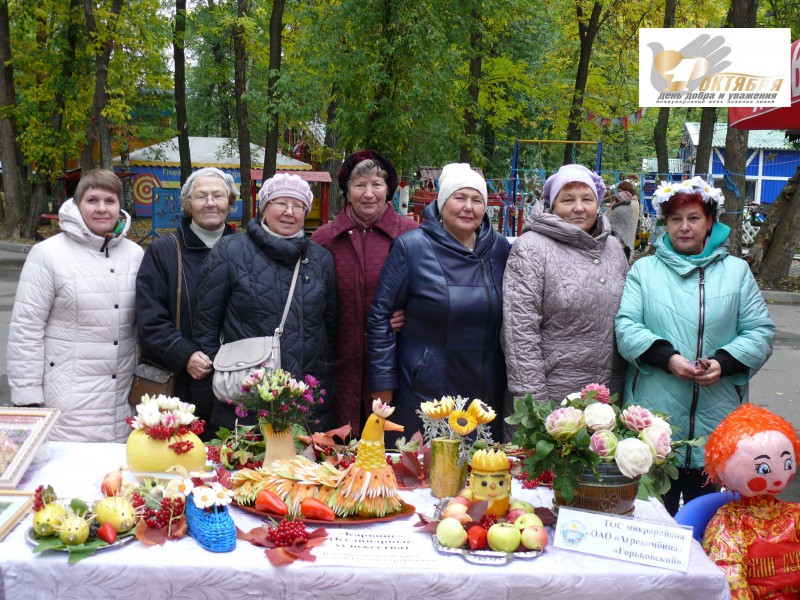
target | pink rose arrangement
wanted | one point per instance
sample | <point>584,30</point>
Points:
<point>587,428</point>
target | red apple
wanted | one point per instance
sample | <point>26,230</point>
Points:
<point>514,514</point>
<point>461,500</point>
<point>534,537</point>
<point>466,493</point>
<point>462,518</point>
<point>476,537</point>
<point>503,537</point>
<point>453,509</point>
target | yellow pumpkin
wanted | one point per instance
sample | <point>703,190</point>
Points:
<point>148,455</point>
<point>490,480</point>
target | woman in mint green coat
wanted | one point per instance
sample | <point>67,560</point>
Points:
<point>692,324</point>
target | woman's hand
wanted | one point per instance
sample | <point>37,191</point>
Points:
<point>199,365</point>
<point>397,320</point>
<point>682,368</point>
<point>711,374</point>
<point>384,396</point>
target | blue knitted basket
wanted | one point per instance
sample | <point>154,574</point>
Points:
<point>214,530</point>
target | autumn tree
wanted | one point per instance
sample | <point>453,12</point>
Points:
<point>181,118</point>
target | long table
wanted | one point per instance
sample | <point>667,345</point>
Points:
<point>182,569</point>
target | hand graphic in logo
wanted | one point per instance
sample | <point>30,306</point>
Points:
<point>683,71</point>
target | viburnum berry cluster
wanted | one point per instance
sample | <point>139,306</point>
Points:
<point>487,521</point>
<point>169,511</point>
<point>545,479</point>
<point>287,533</point>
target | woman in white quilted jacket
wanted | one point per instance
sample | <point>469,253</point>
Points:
<point>72,342</point>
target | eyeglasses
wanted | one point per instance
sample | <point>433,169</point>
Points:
<point>282,206</point>
<point>215,198</point>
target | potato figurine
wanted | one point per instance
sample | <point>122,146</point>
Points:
<point>490,480</point>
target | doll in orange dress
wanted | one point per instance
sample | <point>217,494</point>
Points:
<point>756,539</point>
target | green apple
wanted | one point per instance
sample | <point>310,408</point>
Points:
<point>504,537</point>
<point>525,506</point>
<point>467,494</point>
<point>451,533</point>
<point>534,537</point>
<point>526,520</point>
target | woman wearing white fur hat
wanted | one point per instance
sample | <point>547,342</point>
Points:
<point>562,289</point>
<point>447,275</point>
<point>245,284</point>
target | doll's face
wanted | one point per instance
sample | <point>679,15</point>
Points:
<point>762,464</point>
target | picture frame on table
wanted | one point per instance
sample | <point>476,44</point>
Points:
<point>22,432</point>
<point>14,504</point>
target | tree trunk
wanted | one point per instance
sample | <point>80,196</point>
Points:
<point>742,14</point>
<point>182,120</point>
<point>240,89</point>
<point>10,155</point>
<point>38,198</point>
<point>99,129</point>
<point>660,130</point>
<point>467,154</point>
<point>777,240</point>
<point>275,35</point>
<point>587,31</point>
<point>332,162</point>
<point>708,121</point>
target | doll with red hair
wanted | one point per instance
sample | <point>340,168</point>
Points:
<point>756,539</point>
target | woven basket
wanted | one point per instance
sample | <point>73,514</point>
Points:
<point>213,530</point>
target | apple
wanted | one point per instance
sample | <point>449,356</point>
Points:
<point>463,518</point>
<point>452,509</point>
<point>461,500</point>
<point>466,493</point>
<point>526,520</point>
<point>513,515</point>
<point>503,537</point>
<point>525,506</point>
<point>451,533</point>
<point>534,537</point>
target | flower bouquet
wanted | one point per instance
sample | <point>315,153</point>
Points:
<point>281,403</point>
<point>588,430</point>
<point>448,424</point>
<point>164,434</point>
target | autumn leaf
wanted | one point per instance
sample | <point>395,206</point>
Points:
<point>426,524</point>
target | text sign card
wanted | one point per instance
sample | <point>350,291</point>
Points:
<point>624,538</point>
<point>373,549</point>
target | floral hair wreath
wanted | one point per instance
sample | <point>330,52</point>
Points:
<point>666,191</point>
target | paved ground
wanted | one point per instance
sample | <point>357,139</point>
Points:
<point>777,385</point>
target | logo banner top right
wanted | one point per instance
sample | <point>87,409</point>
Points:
<point>715,67</point>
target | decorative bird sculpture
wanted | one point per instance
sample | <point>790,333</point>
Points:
<point>366,488</point>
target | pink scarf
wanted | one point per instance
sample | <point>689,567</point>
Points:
<point>348,209</point>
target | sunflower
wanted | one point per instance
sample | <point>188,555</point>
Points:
<point>438,409</point>
<point>482,412</point>
<point>462,422</point>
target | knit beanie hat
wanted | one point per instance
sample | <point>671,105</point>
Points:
<point>568,174</point>
<point>351,161</point>
<point>456,176</point>
<point>284,185</point>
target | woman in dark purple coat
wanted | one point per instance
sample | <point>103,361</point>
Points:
<point>359,239</point>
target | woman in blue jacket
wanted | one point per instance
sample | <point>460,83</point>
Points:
<point>692,324</point>
<point>448,276</point>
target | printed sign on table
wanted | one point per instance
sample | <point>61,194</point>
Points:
<point>372,549</point>
<point>634,540</point>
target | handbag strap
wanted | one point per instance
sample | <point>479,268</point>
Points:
<point>279,330</point>
<point>180,279</point>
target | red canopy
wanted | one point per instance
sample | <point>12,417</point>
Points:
<point>771,117</point>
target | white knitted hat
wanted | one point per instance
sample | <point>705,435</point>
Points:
<point>456,176</point>
<point>284,185</point>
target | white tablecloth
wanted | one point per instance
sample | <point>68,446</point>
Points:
<point>182,569</point>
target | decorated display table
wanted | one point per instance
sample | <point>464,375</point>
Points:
<point>380,560</point>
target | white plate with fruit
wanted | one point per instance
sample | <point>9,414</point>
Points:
<point>488,540</point>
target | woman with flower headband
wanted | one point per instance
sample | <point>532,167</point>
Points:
<point>561,292</point>
<point>692,325</point>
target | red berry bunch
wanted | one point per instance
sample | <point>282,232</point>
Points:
<point>170,509</point>
<point>137,500</point>
<point>212,454</point>
<point>545,478</point>
<point>253,464</point>
<point>287,533</point>
<point>487,521</point>
<point>182,447</point>
<point>38,503</point>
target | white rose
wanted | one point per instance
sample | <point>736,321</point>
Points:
<point>599,416</point>
<point>149,415</point>
<point>658,442</point>
<point>168,402</point>
<point>660,424</point>
<point>633,457</point>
